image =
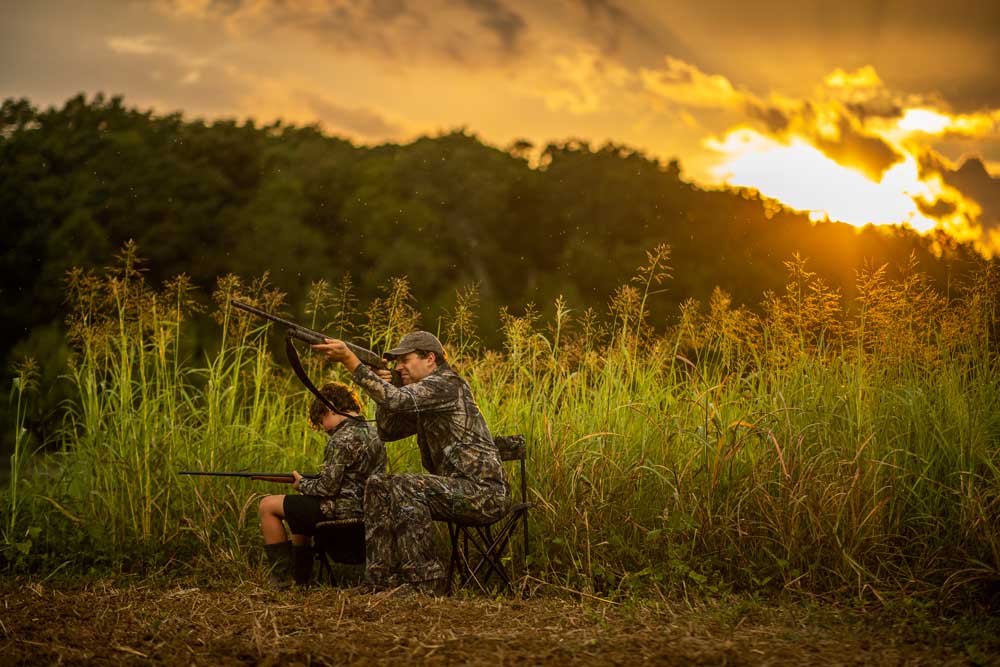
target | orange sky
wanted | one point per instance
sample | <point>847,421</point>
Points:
<point>884,112</point>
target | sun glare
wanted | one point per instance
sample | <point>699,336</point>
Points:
<point>803,178</point>
<point>924,120</point>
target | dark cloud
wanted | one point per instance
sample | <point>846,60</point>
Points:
<point>49,62</point>
<point>361,27</point>
<point>971,179</point>
<point>773,118</point>
<point>163,79</point>
<point>614,23</point>
<point>637,38</point>
<point>969,95</point>
<point>930,163</point>
<point>608,9</point>
<point>360,121</point>
<point>499,19</point>
<point>975,182</point>
<point>956,147</point>
<point>875,108</point>
<point>852,148</point>
<point>225,6</point>
<point>938,209</point>
<point>473,32</point>
<point>923,46</point>
<point>955,51</point>
<point>926,47</point>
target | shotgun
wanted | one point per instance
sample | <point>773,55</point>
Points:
<point>366,356</point>
<point>282,477</point>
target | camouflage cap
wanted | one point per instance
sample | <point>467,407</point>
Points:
<point>424,341</point>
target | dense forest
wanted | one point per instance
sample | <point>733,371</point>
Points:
<point>523,224</point>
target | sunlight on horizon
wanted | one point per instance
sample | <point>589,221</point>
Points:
<point>803,178</point>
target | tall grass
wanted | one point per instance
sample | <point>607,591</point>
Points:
<point>822,446</point>
<point>818,445</point>
<point>15,543</point>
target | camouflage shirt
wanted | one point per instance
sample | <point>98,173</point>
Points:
<point>353,453</point>
<point>451,432</point>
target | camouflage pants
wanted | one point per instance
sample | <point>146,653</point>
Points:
<point>399,515</point>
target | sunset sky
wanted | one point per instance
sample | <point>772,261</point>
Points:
<point>861,111</point>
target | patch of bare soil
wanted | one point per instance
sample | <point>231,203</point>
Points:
<point>105,623</point>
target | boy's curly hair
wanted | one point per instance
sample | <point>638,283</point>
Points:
<point>343,398</point>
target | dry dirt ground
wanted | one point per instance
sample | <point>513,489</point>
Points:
<point>103,622</point>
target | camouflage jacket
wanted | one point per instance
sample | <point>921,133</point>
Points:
<point>353,453</point>
<point>451,432</point>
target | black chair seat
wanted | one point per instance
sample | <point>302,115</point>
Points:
<point>339,541</point>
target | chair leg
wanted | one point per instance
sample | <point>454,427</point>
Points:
<point>490,551</point>
<point>453,560</point>
<point>458,563</point>
<point>466,554</point>
<point>477,552</point>
<point>302,564</point>
<point>325,570</point>
<point>493,548</point>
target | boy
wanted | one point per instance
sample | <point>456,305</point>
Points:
<point>353,453</point>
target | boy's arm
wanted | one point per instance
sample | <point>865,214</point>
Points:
<point>338,456</point>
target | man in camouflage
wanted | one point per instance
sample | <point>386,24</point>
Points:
<point>353,453</point>
<point>466,483</point>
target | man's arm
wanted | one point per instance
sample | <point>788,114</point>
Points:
<point>432,394</point>
<point>394,425</point>
<point>338,351</point>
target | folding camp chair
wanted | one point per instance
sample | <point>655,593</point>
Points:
<point>477,550</point>
<point>339,541</point>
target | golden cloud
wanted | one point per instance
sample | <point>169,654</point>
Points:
<point>828,155</point>
<point>864,77</point>
<point>198,8</point>
<point>937,122</point>
<point>142,45</point>
<point>686,85</point>
<point>580,83</point>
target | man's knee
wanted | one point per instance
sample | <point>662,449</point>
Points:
<point>377,486</point>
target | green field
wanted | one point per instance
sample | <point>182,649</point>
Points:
<point>833,447</point>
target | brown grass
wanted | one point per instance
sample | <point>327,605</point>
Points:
<point>104,622</point>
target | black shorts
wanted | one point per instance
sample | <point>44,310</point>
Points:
<point>303,513</point>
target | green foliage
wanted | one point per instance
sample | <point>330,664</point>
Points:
<point>722,419</point>
<point>445,212</point>
<point>15,544</point>
<point>791,453</point>
<point>733,451</point>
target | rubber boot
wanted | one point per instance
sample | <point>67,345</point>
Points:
<point>280,557</point>
<point>302,561</point>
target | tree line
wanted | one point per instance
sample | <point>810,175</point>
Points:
<point>446,211</point>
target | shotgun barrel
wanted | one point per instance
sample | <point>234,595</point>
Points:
<point>282,477</point>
